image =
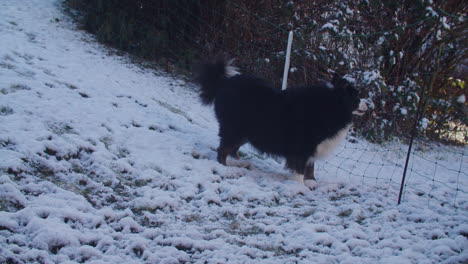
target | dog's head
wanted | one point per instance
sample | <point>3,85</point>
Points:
<point>349,95</point>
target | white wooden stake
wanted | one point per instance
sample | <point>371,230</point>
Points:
<point>286,63</point>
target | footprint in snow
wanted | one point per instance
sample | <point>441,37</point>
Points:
<point>48,72</point>
<point>156,128</point>
<point>68,85</point>
<point>84,95</point>
<point>141,104</point>
<point>6,111</point>
<point>26,74</point>
<point>135,124</point>
<point>32,38</point>
<point>124,96</point>
<point>15,88</point>
<point>7,62</point>
<point>25,56</point>
<point>6,65</point>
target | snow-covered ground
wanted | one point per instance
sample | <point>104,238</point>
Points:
<point>103,161</point>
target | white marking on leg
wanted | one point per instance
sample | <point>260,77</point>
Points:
<point>299,177</point>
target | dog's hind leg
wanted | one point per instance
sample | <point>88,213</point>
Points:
<point>229,145</point>
<point>224,150</point>
<point>301,165</point>
<point>235,152</point>
<point>296,164</point>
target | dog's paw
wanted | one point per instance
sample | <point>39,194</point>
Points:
<point>311,184</point>
<point>240,164</point>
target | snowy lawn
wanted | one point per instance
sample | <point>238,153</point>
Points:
<point>103,161</point>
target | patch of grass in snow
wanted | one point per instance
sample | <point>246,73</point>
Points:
<point>308,213</point>
<point>74,175</point>
<point>122,152</point>
<point>107,141</point>
<point>61,128</point>
<point>345,213</point>
<point>68,156</point>
<point>6,143</point>
<point>238,228</point>
<point>41,170</point>
<point>193,218</point>
<point>122,190</point>
<point>12,206</point>
<point>148,220</point>
<point>360,219</point>
<point>142,210</point>
<point>341,192</point>
<point>141,182</point>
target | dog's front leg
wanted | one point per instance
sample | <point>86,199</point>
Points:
<point>309,171</point>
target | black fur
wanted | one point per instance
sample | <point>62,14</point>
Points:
<point>210,76</point>
<point>288,123</point>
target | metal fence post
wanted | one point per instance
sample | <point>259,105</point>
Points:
<point>287,61</point>
<point>419,114</point>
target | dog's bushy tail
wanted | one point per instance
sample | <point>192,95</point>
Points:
<point>210,76</point>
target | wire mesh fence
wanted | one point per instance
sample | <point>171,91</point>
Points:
<point>400,55</point>
<point>438,175</point>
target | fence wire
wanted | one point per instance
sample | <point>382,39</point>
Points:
<point>438,174</point>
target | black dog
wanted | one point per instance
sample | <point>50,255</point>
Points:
<point>301,124</point>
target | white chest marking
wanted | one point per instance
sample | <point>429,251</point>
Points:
<point>230,70</point>
<point>327,146</point>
